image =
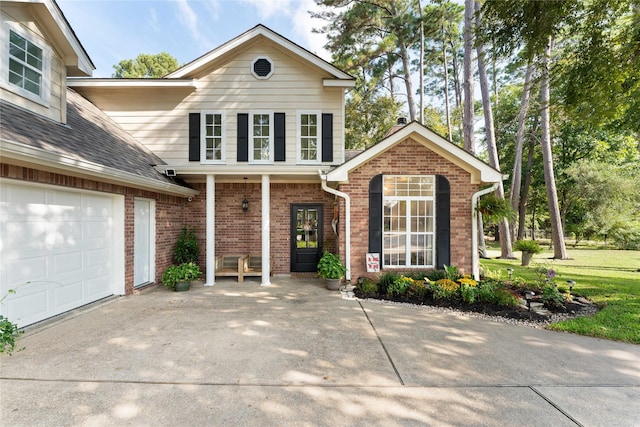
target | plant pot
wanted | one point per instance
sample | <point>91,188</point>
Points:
<point>333,284</point>
<point>182,286</point>
<point>526,258</point>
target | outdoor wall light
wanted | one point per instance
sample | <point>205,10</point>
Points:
<point>528,296</point>
<point>571,283</point>
<point>510,271</point>
<point>245,202</point>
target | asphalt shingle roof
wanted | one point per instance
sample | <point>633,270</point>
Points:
<point>89,135</point>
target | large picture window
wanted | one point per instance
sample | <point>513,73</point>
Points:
<point>408,221</point>
<point>212,132</point>
<point>261,137</point>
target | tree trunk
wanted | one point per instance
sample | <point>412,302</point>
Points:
<point>482,244</point>
<point>506,251</point>
<point>557,234</point>
<point>406,64</point>
<point>516,176</point>
<point>421,115</point>
<point>524,198</point>
<point>467,122</point>
<point>446,81</point>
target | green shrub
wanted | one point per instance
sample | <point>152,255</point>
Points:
<point>486,291</point>
<point>9,332</point>
<point>367,286</point>
<point>435,275</point>
<point>331,267</point>
<point>506,298</point>
<point>400,286</point>
<point>530,246</point>
<point>551,296</point>
<point>445,289</point>
<point>186,248</point>
<point>184,272</point>
<point>417,289</point>
<point>386,280</point>
<point>451,272</point>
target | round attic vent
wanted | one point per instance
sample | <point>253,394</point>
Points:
<point>262,67</point>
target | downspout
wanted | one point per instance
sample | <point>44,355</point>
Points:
<point>347,223</point>
<point>475,258</point>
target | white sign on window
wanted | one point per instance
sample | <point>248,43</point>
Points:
<point>373,263</point>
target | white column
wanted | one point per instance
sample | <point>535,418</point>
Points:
<point>266,230</point>
<point>211,232</point>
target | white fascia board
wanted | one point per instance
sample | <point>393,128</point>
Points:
<point>339,83</point>
<point>130,83</point>
<point>438,144</point>
<point>224,169</point>
<point>37,156</point>
<point>260,30</point>
<point>76,56</point>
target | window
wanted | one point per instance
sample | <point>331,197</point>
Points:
<point>261,137</point>
<point>309,137</point>
<point>408,221</point>
<point>212,143</point>
<point>262,67</point>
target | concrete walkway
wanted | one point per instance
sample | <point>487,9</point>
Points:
<point>297,354</point>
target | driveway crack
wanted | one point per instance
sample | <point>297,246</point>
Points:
<point>393,365</point>
<point>552,403</point>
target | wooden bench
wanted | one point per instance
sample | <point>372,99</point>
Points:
<point>241,266</point>
<point>230,265</point>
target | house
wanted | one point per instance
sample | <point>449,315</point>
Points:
<point>245,143</point>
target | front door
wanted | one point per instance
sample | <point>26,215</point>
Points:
<point>306,237</point>
<point>142,248</point>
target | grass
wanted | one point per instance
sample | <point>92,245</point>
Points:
<point>609,278</point>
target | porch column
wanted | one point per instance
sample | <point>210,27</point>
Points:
<point>266,230</point>
<point>210,229</point>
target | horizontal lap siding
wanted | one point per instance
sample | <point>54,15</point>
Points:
<point>159,119</point>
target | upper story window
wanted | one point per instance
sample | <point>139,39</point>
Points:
<point>212,137</point>
<point>409,221</point>
<point>260,137</point>
<point>309,137</point>
<point>25,64</point>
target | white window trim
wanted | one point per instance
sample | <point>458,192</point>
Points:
<point>273,67</point>
<point>45,88</point>
<point>408,234</point>
<point>203,136</point>
<point>318,160</point>
<point>271,138</point>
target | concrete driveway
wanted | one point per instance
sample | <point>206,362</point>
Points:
<point>297,354</point>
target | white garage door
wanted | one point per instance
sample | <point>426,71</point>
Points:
<point>58,249</point>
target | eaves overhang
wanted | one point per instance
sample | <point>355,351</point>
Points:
<point>113,83</point>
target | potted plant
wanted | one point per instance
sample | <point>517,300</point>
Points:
<point>186,248</point>
<point>179,277</point>
<point>331,268</point>
<point>528,248</point>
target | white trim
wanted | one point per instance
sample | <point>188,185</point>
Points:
<point>266,58</point>
<point>40,157</point>
<point>252,160</point>
<point>210,239</point>
<point>152,240</point>
<point>44,97</point>
<point>203,136</point>
<point>339,83</point>
<point>259,30</point>
<point>318,115</point>
<point>480,171</point>
<point>130,83</point>
<point>266,231</point>
<point>475,257</point>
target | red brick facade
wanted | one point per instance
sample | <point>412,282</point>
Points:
<point>408,157</point>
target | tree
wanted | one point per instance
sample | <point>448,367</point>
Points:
<point>467,125</point>
<point>146,66</point>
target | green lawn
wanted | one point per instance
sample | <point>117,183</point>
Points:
<point>610,278</point>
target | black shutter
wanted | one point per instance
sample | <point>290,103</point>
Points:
<point>327,137</point>
<point>194,137</point>
<point>443,222</point>
<point>279,137</point>
<point>243,137</point>
<point>375,215</point>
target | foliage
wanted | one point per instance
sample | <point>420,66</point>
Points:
<point>146,66</point>
<point>184,272</point>
<point>417,289</point>
<point>186,248</point>
<point>331,267</point>
<point>9,331</point>
<point>367,286</point>
<point>451,272</point>
<point>400,286</point>
<point>530,246</point>
<point>445,289</point>
<point>385,281</point>
<point>505,298</point>
<point>551,296</point>
<point>494,209</point>
<point>435,275</point>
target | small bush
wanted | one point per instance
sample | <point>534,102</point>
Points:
<point>445,289</point>
<point>506,298</point>
<point>551,296</point>
<point>367,286</point>
<point>435,275</point>
<point>417,289</point>
<point>486,291</point>
<point>9,333</point>
<point>530,246</point>
<point>400,286</point>
<point>386,280</point>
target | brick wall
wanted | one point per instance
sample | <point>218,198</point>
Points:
<point>171,212</point>
<point>408,158</point>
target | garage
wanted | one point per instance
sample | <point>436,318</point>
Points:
<point>60,248</point>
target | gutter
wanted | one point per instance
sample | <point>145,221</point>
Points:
<point>347,225</point>
<point>475,258</point>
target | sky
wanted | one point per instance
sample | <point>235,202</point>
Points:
<point>113,30</point>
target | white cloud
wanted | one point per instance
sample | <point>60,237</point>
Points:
<point>268,8</point>
<point>303,25</point>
